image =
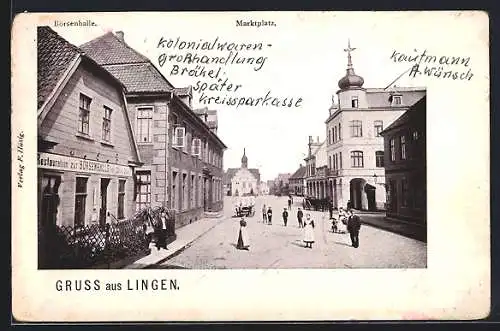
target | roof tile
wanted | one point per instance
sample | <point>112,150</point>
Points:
<point>54,56</point>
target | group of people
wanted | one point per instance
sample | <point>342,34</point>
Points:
<point>347,222</point>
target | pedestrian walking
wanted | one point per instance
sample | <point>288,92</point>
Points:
<point>285,216</point>
<point>300,215</point>
<point>269,215</point>
<point>330,208</point>
<point>308,231</point>
<point>264,214</point>
<point>289,203</point>
<point>353,226</point>
<point>162,231</point>
<point>243,241</point>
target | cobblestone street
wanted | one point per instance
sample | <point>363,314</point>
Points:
<point>277,246</point>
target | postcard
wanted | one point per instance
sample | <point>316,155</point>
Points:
<point>250,166</point>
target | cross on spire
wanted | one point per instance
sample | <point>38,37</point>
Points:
<point>349,49</point>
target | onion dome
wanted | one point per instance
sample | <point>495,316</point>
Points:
<point>350,79</point>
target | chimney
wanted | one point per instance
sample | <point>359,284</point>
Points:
<point>120,35</point>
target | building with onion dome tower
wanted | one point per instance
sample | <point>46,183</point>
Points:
<point>355,149</point>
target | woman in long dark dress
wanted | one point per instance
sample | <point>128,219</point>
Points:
<point>243,241</point>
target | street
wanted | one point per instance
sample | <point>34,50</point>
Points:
<point>277,246</point>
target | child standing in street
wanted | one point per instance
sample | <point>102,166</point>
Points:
<point>243,241</point>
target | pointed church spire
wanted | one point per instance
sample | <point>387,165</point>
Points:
<point>244,159</point>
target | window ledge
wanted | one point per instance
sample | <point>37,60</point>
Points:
<point>106,143</point>
<point>144,143</point>
<point>84,136</point>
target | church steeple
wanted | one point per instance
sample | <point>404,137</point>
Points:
<point>244,160</point>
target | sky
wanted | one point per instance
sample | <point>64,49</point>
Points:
<point>306,60</point>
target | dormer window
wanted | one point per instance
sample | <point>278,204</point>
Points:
<point>397,100</point>
<point>354,102</point>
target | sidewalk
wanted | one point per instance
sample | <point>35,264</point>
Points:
<point>406,229</point>
<point>185,236</point>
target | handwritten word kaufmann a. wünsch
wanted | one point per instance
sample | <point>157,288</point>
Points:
<point>439,66</point>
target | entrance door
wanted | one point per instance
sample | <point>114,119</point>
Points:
<point>50,200</point>
<point>370,195</point>
<point>104,201</point>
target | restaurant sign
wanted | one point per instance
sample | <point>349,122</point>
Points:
<point>68,163</point>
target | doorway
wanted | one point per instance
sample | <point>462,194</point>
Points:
<point>370,196</point>
<point>50,200</point>
<point>104,201</point>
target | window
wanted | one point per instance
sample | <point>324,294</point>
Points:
<point>357,159</point>
<point>196,147</point>
<point>340,160</point>
<point>121,198</point>
<point>415,135</point>
<point>335,161</point>
<point>404,193</point>
<point>340,133</point>
<point>84,114</point>
<point>397,100</point>
<point>184,192</point>
<point>354,102</point>
<point>179,137</point>
<point>392,147</point>
<point>106,124</point>
<point>379,126</point>
<point>143,189</point>
<point>173,194</point>
<point>144,124</point>
<point>330,161</point>
<point>356,129</point>
<point>80,198</point>
<point>403,147</point>
<point>191,193</point>
<point>329,136</point>
<point>379,159</point>
<point>335,134</point>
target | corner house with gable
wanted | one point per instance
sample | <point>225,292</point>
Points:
<point>182,154</point>
<point>86,148</point>
<point>355,147</point>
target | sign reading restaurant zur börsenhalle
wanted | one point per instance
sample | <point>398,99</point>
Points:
<point>68,163</point>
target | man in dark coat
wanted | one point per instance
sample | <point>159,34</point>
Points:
<point>300,215</point>
<point>285,216</point>
<point>330,208</point>
<point>353,226</point>
<point>290,203</point>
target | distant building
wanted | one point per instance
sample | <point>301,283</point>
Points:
<point>86,148</point>
<point>264,189</point>
<point>243,180</point>
<point>297,181</point>
<point>316,170</point>
<point>182,155</point>
<point>405,165</point>
<point>355,148</point>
